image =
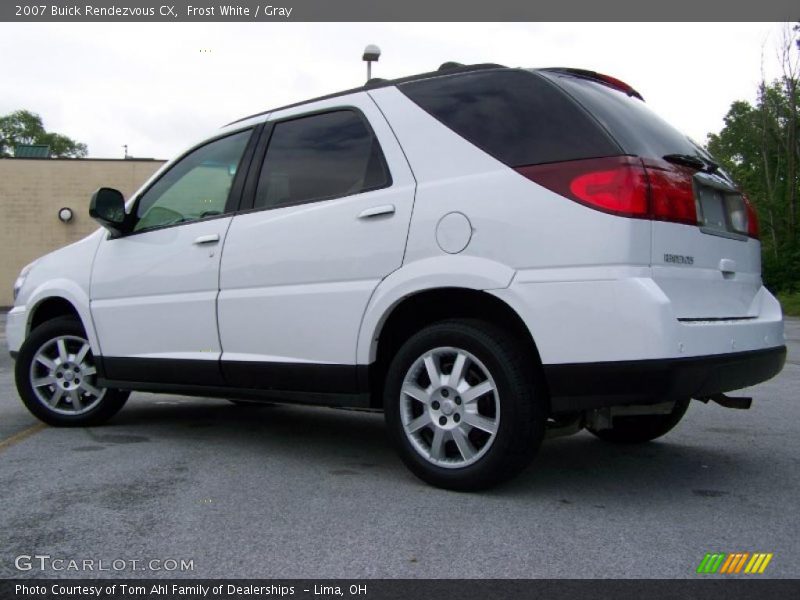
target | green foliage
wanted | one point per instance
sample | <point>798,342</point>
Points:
<point>759,147</point>
<point>781,270</point>
<point>25,127</point>
<point>790,302</point>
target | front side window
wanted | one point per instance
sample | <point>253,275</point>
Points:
<point>194,188</point>
<point>321,156</point>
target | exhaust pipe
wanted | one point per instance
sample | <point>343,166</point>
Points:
<point>739,403</point>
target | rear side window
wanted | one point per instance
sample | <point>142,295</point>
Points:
<point>320,156</point>
<point>517,117</point>
<point>634,126</point>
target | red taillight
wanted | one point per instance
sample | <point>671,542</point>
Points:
<point>622,185</point>
<point>622,189</point>
<point>671,192</point>
<point>752,218</point>
<point>617,185</point>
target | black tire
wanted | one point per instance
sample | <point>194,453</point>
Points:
<point>522,403</point>
<point>643,428</point>
<point>109,404</point>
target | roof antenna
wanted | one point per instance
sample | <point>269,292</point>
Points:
<point>371,53</point>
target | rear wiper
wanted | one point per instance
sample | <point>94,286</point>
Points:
<point>694,162</point>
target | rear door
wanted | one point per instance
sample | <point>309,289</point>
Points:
<point>710,269</point>
<point>328,219</point>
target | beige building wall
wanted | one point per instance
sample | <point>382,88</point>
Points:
<point>33,190</point>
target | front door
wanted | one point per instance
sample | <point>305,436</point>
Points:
<point>154,291</point>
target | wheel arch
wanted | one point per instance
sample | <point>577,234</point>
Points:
<point>428,306</point>
<point>451,271</point>
<point>50,308</point>
<point>66,299</point>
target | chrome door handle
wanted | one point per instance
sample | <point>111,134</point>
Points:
<point>375,211</point>
<point>207,239</point>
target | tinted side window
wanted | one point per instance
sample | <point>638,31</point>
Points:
<point>320,156</point>
<point>518,117</point>
<point>197,186</point>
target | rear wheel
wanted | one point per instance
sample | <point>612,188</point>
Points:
<point>56,377</point>
<point>642,428</point>
<point>463,405</point>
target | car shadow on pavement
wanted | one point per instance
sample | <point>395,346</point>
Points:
<point>356,443</point>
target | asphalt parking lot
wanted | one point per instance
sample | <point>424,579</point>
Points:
<point>281,491</point>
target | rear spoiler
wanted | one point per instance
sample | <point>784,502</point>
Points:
<point>600,78</point>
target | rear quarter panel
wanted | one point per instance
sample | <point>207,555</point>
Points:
<point>515,221</point>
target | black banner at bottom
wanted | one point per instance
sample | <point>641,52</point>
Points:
<point>397,589</point>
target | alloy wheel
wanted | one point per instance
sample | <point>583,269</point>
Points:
<point>450,409</point>
<point>63,376</point>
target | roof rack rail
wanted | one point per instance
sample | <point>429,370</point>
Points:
<point>448,68</point>
<point>450,65</point>
<point>375,82</point>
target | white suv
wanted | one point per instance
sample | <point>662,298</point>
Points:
<point>484,253</point>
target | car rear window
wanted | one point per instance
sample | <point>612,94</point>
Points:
<point>518,117</point>
<point>629,120</point>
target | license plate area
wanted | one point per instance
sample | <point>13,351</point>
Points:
<point>720,209</point>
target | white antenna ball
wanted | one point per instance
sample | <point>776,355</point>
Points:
<point>371,53</point>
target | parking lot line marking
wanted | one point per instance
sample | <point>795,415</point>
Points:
<point>18,437</point>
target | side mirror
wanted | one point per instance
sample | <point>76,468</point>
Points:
<point>107,207</point>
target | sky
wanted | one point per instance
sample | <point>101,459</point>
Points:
<point>159,87</point>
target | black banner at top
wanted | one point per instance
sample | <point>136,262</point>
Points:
<point>394,10</point>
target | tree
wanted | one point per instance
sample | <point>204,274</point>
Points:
<point>26,127</point>
<point>759,145</point>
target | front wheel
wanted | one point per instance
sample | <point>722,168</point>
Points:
<point>57,378</point>
<point>463,405</point>
<point>642,428</point>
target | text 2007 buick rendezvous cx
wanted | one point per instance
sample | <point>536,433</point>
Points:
<point>485,253</point>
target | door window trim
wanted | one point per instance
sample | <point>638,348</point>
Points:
<point>259,157</point>
<point>232,203</point>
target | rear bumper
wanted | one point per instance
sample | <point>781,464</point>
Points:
<point>584,386</point>
<point>610,336</point>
